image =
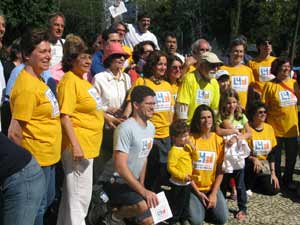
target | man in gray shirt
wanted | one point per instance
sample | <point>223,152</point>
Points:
<point>133,141</point>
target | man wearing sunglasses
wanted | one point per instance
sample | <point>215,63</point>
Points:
<point>261,65</point>
<point>199,87</point>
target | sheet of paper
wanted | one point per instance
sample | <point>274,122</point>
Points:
<point>117,10</point>
<point>162,211</point>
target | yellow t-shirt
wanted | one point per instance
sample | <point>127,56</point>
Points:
<point>180,162</point>
<point>262,142</point>
<point>194,91</point>
<point>211,154</point>
<point>33,102</point>
<point>241,77</point>
<point>164,104</point>
<point>261,70</point>
<point>282,107</point>
<point>80,100</point>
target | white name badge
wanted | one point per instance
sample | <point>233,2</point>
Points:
<point>203,97</point>
<point>147,144</point>
<point>162,101</point>
<point>93,92</point>
<point>286,98</point>
<point>206,161</point>
<point>52,99</point>
<point>240,83</point>
<point>261,147</point>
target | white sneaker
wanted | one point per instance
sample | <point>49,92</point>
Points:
<point>249,193</point>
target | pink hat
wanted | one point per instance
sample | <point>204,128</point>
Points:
<point>113,49</point>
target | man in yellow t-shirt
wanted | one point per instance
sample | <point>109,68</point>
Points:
<point>199,87</point>
<point>261,65</point>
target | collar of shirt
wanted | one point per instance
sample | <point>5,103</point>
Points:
<point>110,76</point>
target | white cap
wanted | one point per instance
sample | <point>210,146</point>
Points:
<point>220,73</point>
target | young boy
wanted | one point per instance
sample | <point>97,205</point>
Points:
<point>180,159</point>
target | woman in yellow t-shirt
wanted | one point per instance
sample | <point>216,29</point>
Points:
<point>241,76</point>
<point>82,122</point>
<point>35,121</point>
<point>174,74</point>
<point>206,200</point>
<point>281,96</point>
<point>260,166</point>
<point>154,77</point>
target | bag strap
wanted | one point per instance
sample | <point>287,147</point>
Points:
<point>288,89</point>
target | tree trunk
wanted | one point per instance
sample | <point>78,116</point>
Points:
<point>295,34</point>
<point>235,13</point>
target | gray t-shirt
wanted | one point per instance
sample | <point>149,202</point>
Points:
<point>136,141</point>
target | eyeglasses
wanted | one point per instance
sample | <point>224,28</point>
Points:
<point>262,112</point>
<point>212,65</point>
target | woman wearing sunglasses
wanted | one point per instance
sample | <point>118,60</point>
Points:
<point>260,166</point>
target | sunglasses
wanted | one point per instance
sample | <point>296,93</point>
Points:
<point>266,43</point>
<point>262,112</point>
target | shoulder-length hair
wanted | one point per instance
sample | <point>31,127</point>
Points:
<point>238,113</point>
<point>152,61</point>
<point>195,123</point>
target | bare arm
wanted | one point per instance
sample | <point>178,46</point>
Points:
<point>68,127</point>
<point>15,131</point>
<point>121,166</point>
<point>247,133</point>
<point>143,173</point>
<point>212,198</point>
<point>224,132</point>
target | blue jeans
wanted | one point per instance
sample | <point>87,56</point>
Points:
<point>199,213</point>
<point>291,150</point>
<point>239,177</point>
<point>22,195</point>
<point>49,173</point>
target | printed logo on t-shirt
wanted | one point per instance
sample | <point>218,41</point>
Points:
<point>264,71</point>
<point>162,101</point>
<point>240,83</point>
<point>203,97</point>
<point>93,92</point>
<point>146,147</point>
<point>206,160</point>
<point>286,98</point>
<point>261,147</point>
<point>52,99</point>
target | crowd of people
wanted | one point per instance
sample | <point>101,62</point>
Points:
<point>141,119</point>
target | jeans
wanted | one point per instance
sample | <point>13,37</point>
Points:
<point>239,177</point>
<point>291,150</point>
<point>49,173</point>
<point>22,195</point>
<point>198,212</point>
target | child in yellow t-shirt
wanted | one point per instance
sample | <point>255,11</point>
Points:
<point>180,159</point>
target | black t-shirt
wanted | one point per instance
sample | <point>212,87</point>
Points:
<point>12,157</point>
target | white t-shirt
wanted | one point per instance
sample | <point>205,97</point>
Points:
<point>56,52</point>
<point>134,36</point>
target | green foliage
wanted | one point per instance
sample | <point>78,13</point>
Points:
<point>25,13</point>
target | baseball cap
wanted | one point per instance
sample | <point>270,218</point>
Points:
<point>211,58</point>
<point>221,73</point>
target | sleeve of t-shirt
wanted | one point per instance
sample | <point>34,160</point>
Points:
<point>184,95</point>
<point>23,105</point>
<point>122,139</point>
<point>67,96</point>
<point>216,95</point>
<point>244,120</point>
